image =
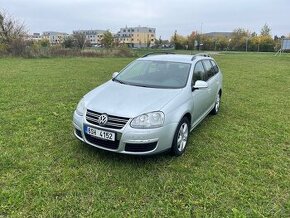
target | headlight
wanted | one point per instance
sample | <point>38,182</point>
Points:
<point>81,107</point>
<point>148,121</point>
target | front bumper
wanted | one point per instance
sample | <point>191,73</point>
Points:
<point>128,139</point>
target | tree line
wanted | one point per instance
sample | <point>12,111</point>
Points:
<point>239,40</point>
<point>13,41</point>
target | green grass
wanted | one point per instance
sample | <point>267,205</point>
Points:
<point>236,164</point>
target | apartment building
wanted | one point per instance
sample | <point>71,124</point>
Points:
<point>33,37</point>
<point>136,37</point>
<point>54,37</point>
<point>92,36</point>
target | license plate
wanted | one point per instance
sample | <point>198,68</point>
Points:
<point>100,133</point>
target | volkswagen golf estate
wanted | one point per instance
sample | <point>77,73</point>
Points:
<point>151,105</point>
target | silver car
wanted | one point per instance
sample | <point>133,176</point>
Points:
<point>151,105</point>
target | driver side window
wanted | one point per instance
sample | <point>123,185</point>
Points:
<point>198,73</point>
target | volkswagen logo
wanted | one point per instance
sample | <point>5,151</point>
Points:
<point>103,119</point>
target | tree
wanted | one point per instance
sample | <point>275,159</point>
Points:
<point>148,42</point>
<point>69,42</point>
<point>239,37</point>
<point>44,43</point>
<point>261,43</point>
<point>160,40</point>
<point>107,39</point>
<point>174,38</point>
<point>179,41</point>
<point>12,33</point>
<point>80,40</point>
<point>266,30</point>
<point>253,34</point>
<point>191,40</point>
<point>266,43</point>
<point>10,29</point>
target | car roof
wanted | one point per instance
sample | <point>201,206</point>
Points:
<point>175,57</point>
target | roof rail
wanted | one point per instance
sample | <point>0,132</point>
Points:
<point>200,54</point>
<point>157,52</point>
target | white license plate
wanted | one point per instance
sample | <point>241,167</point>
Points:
<point>100,133</point>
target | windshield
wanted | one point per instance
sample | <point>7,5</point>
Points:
<point>155,74</point>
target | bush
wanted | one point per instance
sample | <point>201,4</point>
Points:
<point>32,49</point>
<point>17,47</point>
<point>3,49</point>
<point>124,52</point>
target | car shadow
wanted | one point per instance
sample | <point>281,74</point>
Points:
<point>109,156</point>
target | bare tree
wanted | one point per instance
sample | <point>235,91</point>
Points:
<point>80,39</point>
<point>10,28</point>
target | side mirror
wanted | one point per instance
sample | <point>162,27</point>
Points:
<point>199,84</point>
<point>115,74</point>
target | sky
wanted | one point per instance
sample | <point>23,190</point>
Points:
<point>166,16</point>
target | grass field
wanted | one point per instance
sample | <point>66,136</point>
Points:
<point>237,163</point>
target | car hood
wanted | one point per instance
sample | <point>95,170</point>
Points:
<point>128,101</point>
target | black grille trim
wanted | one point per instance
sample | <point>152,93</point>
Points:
<point>78,133</point>
<point>134,147</point>
<point>102,143</point>
<point>114,122</point>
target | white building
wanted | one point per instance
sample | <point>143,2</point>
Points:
<point>33,37</point>
<point>54,37</point>
<point>93,36</point>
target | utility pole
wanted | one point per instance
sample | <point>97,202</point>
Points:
<point>200,43</point>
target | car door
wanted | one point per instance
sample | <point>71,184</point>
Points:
<point>199,96</point>
<point>211,80</point>
<point>216,77</point>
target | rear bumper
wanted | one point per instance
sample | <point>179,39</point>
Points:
<point>128,140</point>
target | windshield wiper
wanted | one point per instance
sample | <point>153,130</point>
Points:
<point>146,86</point>
<point>119,81</point>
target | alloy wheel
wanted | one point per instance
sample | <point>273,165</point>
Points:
<point>182,137</point>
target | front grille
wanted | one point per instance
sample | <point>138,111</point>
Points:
<point>103,143</point>
<point>114,122</point>
<point>140,147</point>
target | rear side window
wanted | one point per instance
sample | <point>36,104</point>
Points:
<point>208,69</point>
<point>198,72</point>
<point>215,67</point>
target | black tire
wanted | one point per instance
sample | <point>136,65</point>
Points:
<point>182,134</point>
<point>217,104</point>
